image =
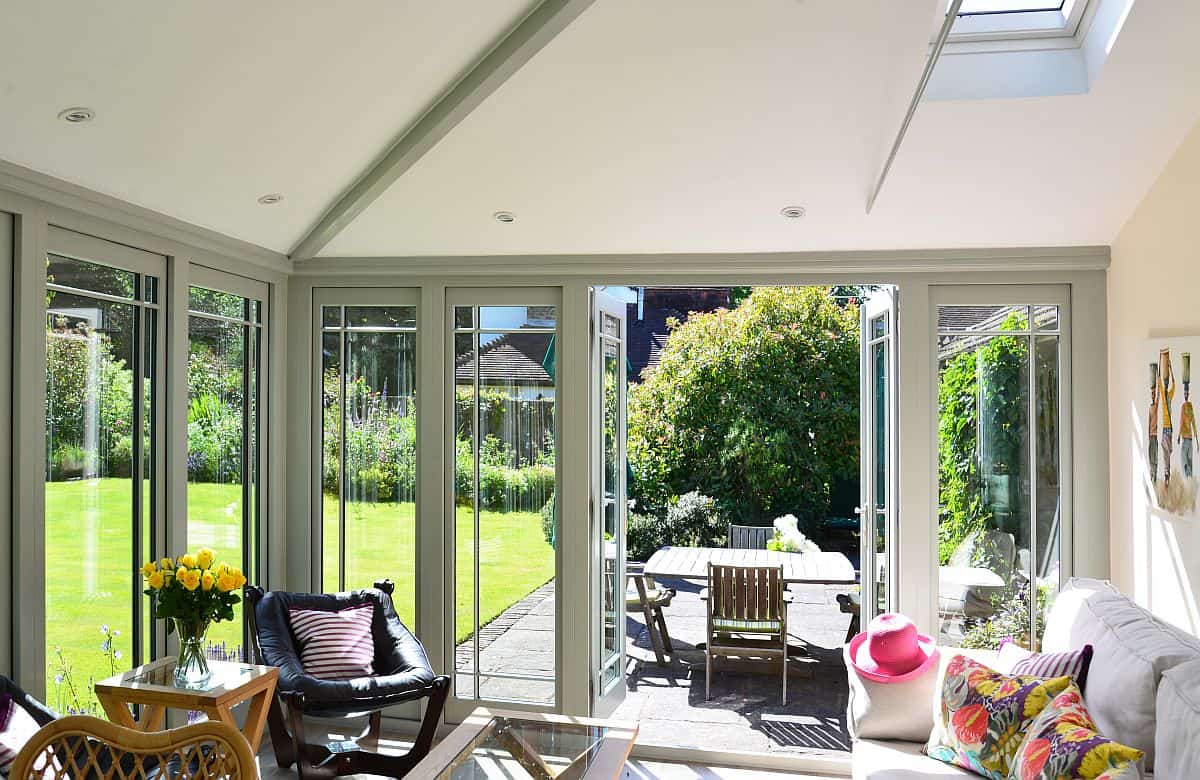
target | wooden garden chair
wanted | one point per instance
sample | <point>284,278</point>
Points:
<point>747,617</point>
<point>649,597</point>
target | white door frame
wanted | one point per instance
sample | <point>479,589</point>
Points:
<point>883,304</point>
<point>605,699</point>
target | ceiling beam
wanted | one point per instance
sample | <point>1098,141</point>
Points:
<point>504,59</point>
<point>930,63</point>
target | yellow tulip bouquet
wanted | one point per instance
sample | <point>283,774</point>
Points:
<point>191,592</point>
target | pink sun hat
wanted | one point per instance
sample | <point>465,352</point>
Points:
<point>891,650</point>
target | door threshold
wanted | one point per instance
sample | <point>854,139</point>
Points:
<point>805,764</point>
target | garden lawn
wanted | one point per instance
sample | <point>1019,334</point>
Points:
<point>89,561</point>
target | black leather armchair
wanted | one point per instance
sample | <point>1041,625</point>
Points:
<point>402,673</point>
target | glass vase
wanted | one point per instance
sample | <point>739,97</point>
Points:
<point>191,666</point>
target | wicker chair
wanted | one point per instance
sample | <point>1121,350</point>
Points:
<point>81,747</point>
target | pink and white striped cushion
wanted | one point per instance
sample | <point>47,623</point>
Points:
<point>1014,659</point>
<point>335,645</point>
<point>16,728</point>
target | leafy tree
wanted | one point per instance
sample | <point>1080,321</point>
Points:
<point>755,406</point>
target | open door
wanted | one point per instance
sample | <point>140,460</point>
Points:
<point>877,506</point>
<point>609,501</point>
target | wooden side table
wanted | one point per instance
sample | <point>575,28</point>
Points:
<point>152,685</point>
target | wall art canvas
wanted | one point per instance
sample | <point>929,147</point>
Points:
<point>1170,419</point>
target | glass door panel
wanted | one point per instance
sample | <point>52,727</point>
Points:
<point>224,360</point>
<point>877,420</point>
<point>999,488</point>
<point>100,491</point>
<point>609,498</point>
<point>504,521</point>
<point>369,449</point>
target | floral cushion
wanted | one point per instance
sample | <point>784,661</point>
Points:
<point>1063,742</point>
<point>984,715</point>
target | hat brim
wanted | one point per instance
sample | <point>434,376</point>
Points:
<point>864,665</point>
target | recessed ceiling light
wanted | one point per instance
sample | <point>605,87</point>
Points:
<point>270,198</point>
<point>77,115</point>
<point>792,212</point>
<point>504,216</point>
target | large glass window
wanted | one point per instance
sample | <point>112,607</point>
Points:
<point>369,450</point>
<point>505,522</point>
<point>1000,503</point>
<point>101,368</point>
<point>224,386</point>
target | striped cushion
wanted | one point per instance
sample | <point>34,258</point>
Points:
<point>16,728</point>
<point>1015,659</point>
<point>747,626</point>
<point>335,645</point>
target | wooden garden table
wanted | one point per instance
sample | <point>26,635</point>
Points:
<point>153,686</point>
<point>691,563</point>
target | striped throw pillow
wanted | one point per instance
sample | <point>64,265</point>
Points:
<point>335,645</point>
<point>1015,659</point>
<point>16,728</point>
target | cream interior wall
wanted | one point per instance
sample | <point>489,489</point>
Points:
<point>1153,291</point>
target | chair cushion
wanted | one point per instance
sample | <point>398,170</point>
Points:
<point>335,645</point>
<point>402,670</point>
<point>747,626</point>
<point>1131,651</point>
<point>1062,741</point>
<point>894,760</point>
<point>16,728</point>
<point>1177,743</point>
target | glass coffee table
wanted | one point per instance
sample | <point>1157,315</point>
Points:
<point>529,746</point>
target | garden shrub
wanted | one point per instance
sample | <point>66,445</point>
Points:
<point>757,407</point>
<point>644,536</point>
<point>695,520</point>
<point>548,529</point>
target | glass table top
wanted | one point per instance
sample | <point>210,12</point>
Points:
<point>514,748</point>
<point>227,675</point>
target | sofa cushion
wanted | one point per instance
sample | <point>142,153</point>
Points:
<point>1062,741</point>
<point>903,710</point>
<point>887,760</point>
<point>984,714</point>
<point>1131,650</point>
<point>1177,742</point>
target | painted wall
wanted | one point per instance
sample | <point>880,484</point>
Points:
<point>1153,291</point>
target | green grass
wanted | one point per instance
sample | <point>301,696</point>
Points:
<point>89,562</point>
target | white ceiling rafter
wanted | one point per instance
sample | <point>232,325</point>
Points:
<point>515,49</point>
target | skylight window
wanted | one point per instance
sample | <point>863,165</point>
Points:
<point>982,7</point>
<point>1000,20</point>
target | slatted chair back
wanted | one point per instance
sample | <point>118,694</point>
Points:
<point>749,537</point>
<point>80,747</point>
<point>745,593</point>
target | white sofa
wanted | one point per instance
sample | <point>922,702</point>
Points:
<point>1143,688</point>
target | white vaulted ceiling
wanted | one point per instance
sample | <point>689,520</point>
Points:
<point>674,125</point>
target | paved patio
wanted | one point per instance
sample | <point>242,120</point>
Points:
<point>744,713</point>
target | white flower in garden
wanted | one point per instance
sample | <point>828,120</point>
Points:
<point>791,538</point>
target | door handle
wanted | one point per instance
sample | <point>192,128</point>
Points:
<point>860,511</point>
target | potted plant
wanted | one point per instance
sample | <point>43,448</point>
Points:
<point>190,593</point>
